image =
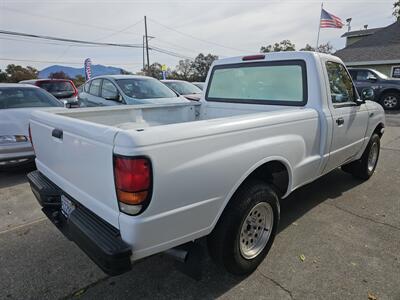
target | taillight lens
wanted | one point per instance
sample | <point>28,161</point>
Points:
<point>133,182</point>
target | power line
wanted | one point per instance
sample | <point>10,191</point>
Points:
<point>119,31</point>
<point>171,53</point>
<point>24,40</point>
<point>91,43</point>
<point>67,21</point>
<point>64,62</point>
<point>199,39</point>
<point>68,40</point>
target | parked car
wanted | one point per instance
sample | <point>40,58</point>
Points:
<point>200,85</point>
<point>184,88</point>
<point>160,177</point>
<point>386,89</point>
<point>17,101</point>
<point>111,90</point>
<point>63,89</point>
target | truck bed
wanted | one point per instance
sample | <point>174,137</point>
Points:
<point>142,116</point>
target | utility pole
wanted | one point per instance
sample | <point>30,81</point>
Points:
<point>144,64</point>
<point>147,44</point>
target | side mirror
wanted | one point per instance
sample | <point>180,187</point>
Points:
<point>372,78</point>
<point>367,94</point>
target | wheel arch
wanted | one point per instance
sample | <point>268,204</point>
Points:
<point>264,170</point>
<point>379,129</point>
<point>388,90</point>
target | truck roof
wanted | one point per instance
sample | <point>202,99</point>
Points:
<point>284,55</point>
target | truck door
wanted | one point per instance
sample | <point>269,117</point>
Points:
<point>349,119</point>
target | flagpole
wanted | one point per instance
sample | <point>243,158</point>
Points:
<point>319,27</point>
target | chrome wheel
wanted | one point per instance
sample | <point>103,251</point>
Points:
<point>373,156</point>
<point>256,230</point>
<point>390,101</point>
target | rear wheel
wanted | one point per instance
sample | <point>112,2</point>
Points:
<point>390,100</point>
<point>366,165</point>
<point>246,229</point>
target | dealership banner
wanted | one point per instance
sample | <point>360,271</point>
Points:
<point>88,66</point>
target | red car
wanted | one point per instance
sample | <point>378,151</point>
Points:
<point>63,89</point>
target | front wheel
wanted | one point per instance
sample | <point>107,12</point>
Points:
<point>366,165</point>
<point>246,229</point>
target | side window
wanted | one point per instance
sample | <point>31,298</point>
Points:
<point>362,75</point>
<point>340,83</point>
<point>353,74</point>
<point>86,86</point>
<point>108,90</point>
<point>95,87</point>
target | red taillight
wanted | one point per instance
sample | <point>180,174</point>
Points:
<point>75,89</point>
<point>253,57</point>
<point>132,182</point>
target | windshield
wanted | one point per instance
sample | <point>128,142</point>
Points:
<point>183,87</point>
<point>200,85</point>
<point>381,75</point>
<point>59,89</point>
<point>11,97</point>
<point>144,88</point>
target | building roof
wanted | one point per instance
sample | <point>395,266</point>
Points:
<point>363,32</point>
<point>383,45</point>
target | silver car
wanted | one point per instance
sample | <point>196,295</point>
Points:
<point>126,89</point>
<point>17,101</point>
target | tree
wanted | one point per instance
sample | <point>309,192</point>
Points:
<point>396,10</point>
<point>154,70</point>
<point>124,72</point>
<point>184,70</point>
<point>285,45</point>
<point>3,76</point>
<point>16,73</point>
<point>58,75</point>
<point>201,65</point>
<point>323,48</point>
<point>78,80</point>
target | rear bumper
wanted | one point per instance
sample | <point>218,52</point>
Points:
<point>98,239</point>
<point>16,151</point>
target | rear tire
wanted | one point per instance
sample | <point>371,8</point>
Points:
<point>366,165</point>
<point>246,229</point>
<point>390,100</point>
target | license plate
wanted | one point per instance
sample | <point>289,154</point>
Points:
<point>67,206</point>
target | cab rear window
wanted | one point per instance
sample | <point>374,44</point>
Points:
<point>274,83</point>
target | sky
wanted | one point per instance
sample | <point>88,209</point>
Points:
<point>224,28</point>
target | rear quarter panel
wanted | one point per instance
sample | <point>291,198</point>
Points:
<point>198,166</point>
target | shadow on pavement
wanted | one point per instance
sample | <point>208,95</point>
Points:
<point>15,175</point>
<point>330,186</point>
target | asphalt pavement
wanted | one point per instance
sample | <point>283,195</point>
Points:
<point>339,238</point>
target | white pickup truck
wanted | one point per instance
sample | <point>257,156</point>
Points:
<point>127,182</point>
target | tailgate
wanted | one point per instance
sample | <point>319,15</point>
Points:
<point>77,156</point>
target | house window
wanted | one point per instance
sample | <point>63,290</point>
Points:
<point>395,72</point>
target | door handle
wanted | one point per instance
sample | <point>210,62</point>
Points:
<point>340,121</point>
<point>57,133</point>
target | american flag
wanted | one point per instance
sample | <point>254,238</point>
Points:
<point>329,20</point>
<point>88,72</point>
